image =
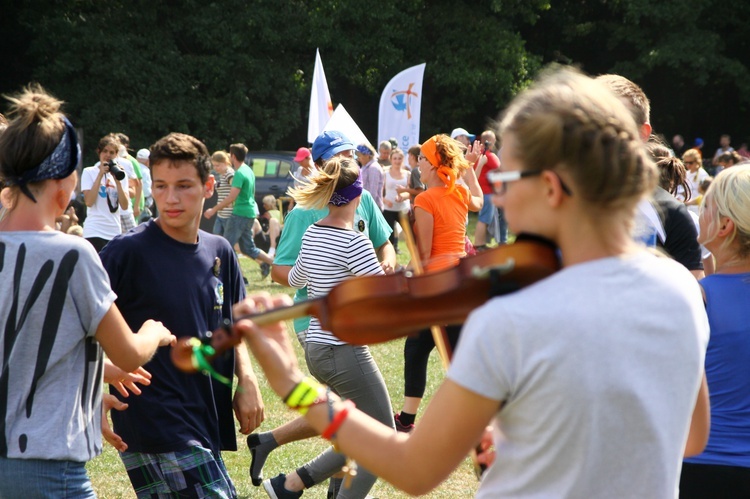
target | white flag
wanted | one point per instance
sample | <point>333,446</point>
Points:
<point>321,107</point>
<point>401,107</point>
<point>341,121</point>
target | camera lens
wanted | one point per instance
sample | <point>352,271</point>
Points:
<point>116,170</point>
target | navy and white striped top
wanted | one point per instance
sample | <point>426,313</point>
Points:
<point>328,256</point>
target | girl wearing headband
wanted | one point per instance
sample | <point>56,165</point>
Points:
<point>590,376</point>
<point>57,314</point>
<point>332,251</point>
<point>440,226</point>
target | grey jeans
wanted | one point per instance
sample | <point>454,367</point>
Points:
<point>351,372</point>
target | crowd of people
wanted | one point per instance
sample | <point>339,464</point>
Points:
<point>620,375</point>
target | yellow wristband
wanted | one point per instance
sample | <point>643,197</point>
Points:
<point>303,395</point>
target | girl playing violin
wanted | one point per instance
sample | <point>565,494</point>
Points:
<point>331,252</point>
<point>590,376</point>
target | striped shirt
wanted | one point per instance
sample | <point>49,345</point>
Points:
<point>222,189</point>
<point>328,256</point>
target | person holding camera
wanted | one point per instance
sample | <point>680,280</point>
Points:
<point>105,191</point>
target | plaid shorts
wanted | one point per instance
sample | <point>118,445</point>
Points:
<point>127,221</point>
<point>193,472</point>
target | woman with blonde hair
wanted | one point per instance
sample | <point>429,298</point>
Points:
<point>57,313</point>
<point>589,378</point>
<point>333,251</point>
<point>694,175</point>
<point>723,469</point>
<point>395,200</point>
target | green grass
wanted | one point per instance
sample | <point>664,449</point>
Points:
<point>110,480</point>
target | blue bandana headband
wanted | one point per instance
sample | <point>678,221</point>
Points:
<point>59,164</point>
<point>347,194</point>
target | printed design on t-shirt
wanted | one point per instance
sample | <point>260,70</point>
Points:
<point>21,308</point>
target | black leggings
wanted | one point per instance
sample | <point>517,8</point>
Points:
<point>391,218</point>
<point>416,354</point>
<point>700,481</point>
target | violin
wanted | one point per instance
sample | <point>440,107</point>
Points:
<point>375,309</point>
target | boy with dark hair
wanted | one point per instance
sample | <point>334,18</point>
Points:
<point>167,269</point>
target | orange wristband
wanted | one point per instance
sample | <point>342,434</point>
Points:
<point>337,421</point>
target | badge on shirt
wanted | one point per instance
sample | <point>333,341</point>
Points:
<point>217,266</point>
<point>361,225</point>
<point>219,292</point>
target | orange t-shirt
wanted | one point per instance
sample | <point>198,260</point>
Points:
<point>449,224</point>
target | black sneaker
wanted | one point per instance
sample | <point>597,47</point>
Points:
<point>265,269</point>
<point>275,488</point>
<point>400,427</point>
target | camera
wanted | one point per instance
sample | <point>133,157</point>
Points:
<point>115,170</point>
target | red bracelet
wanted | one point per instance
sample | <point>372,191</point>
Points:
<point>335,424</point>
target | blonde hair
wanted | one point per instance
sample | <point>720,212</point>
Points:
<point>729,196</point>
<point>270,199</point>
<point>335,174</point>
<point>693,154</point>
<point>220,157</point>
<point>571,123</point>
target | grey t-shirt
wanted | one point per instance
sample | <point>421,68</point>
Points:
<point>54,294</point>
<point>598,369</point>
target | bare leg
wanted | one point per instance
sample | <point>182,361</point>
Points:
<point>480,234</point>
<point>274,230</point>
<point>411,404</point>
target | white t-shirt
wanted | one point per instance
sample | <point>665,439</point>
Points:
<point>100,220</point>
<point>391,193</point>
<point>598,369</point>
<point>694,180</point>
<point>146,178</point>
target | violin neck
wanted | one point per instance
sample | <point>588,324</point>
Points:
<point>300,309</point>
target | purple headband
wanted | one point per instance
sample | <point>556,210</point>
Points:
<point>347,194</point>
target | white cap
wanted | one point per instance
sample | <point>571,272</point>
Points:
<point>457,132</point>
<point>142,154</point>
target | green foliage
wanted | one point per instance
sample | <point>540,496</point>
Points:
<point>235,71</point>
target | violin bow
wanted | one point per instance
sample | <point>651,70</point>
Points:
<point>438,332</point>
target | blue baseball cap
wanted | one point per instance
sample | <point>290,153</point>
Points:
<point>330,143</point>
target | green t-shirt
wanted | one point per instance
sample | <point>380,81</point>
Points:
<point>368,219</point>
<point>244,204</point>
<point>139,176</point>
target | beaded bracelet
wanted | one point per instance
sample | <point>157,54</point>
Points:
<point>304,395</point>
<point>337,421</point>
